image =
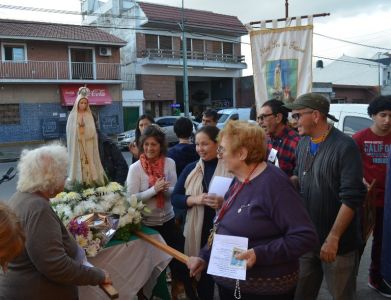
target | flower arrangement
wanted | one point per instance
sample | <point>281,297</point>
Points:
<point>105,200</point>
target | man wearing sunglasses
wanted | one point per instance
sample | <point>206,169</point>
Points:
<point>282,141</point>
<point>329,176</point>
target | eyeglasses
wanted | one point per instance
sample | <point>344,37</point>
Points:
<point>262,117</point>
<point>297,116</point>
<point>220,150</point>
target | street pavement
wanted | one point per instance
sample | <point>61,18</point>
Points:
<point>8,158</point>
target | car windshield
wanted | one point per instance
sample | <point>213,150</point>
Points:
<point>222,118</point>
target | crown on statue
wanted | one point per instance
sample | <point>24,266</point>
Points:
<point>83,92</point>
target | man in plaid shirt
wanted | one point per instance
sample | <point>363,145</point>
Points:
<point>282,142</point>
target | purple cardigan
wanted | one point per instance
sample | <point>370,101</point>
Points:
<point>269,211</point>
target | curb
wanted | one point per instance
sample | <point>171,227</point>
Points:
<point>5,160</point>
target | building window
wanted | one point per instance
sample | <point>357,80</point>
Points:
<point>198,45</point>
<point>14,52</point>
<point>228,48</point>
<point>165,42</point>
<point>151,41</point>
<point>9,114</point>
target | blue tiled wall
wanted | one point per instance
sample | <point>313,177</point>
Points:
<point>32,115</point>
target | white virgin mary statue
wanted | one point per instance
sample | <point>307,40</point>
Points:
<point>82,142</point>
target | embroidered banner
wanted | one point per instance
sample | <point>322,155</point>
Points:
<point>282,62</point>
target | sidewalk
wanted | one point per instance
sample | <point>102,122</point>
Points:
<point>11,152</point>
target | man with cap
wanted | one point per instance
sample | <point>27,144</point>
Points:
<point>329,176</point>
<point>282,140</point>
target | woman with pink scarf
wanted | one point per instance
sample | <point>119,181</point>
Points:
<point>152,179</point>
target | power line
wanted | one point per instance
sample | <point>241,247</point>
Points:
<point>49,10</point>
<point>348,61</point>
<point>350,42</point>
<point>65,12</point>
<point>173,31</point>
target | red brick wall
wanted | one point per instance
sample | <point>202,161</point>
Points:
<point>237,49</point>
<point>113,59</point>
<point>140,43</point>
<point>158,87</point>
<point>176,43</point>
<point>58,52</point>
<point>38,51</point>
<point>355,95</point>
<point>209,46</point>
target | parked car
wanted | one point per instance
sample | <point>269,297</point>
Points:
<point>351,117</point>
<point>227,114</point>
<point>166,123</point>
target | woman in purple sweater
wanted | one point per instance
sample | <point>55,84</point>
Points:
<point>263,206</point>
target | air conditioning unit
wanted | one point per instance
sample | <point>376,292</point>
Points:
<point>104,51</point>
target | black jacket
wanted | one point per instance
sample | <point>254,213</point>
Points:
<point>113,162</point>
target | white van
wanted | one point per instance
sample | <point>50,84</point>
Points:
<point>351,117</point>
<point>227,114</point>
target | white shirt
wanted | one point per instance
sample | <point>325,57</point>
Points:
<point>137,183</point>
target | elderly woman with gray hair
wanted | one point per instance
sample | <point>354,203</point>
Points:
<point>47,267</point>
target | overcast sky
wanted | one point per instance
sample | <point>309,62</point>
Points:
<point>362,21</point>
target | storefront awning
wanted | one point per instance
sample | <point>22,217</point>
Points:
<point>99,94</point>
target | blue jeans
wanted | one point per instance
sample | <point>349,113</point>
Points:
<point>340,276</point>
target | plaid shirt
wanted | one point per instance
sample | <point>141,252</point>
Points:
<point>285,143</point>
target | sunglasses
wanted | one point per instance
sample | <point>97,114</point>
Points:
<point>297,116</point>
<point>262,117</point>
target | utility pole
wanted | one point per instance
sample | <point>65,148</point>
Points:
<point>184,54</point>
<point>286,9</point>
<point>378,72</point>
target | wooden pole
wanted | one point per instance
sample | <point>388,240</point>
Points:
<point>110,291</point>
<point>293,18</point>
<point>169,250</point>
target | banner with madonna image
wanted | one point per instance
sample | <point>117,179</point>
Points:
<point>282,62</point>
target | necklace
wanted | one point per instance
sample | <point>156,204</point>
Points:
<point>322,138</point>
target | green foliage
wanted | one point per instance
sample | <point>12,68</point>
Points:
<point>124,233</point>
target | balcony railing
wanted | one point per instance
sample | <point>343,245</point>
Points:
<point>177,54</point>
<point>59,70</point>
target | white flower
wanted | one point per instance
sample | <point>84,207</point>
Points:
<point>88,192</point>
<point>73,196</point>
<point>92,250</point>
<point>80,209</point>
<point>140,206</point>
<point>90,206</point>
<point>102,190</point>
<point>58,199</point>
<point>137,217</point>
<point>119,209</point>
<point>114,187</point>
<point>65,212</point>
<point>133,201</point>
<point>126,219</point>
<point>82,241</point>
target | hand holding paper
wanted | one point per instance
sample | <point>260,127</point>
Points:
<point>223,259</point>
<point>219,185</point>
<point>249,256</point>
